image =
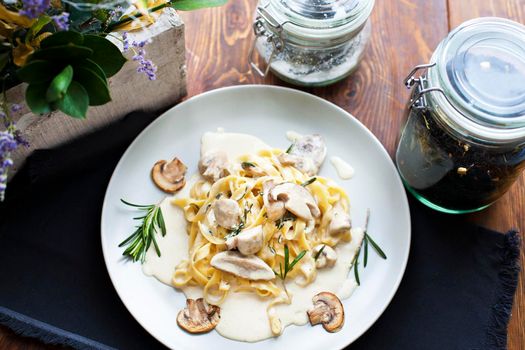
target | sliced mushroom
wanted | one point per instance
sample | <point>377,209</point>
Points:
<point>252,170</point>
<point>328,311</point>
<point>249,267</point>
<point>340,221</point>
<point>169,176</point>
<point>248,241</point>
<point>274,209</point>
<point>296,199</point>
<point>227,213</point>
<point>198,316</point>
<point>326,256</point>
<point>214,165</point>
<point>303,164</point>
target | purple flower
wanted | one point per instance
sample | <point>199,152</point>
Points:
<point>61,21</point>
<point>125,41</point>
<point>116,13</point>
<point>16,108</point>
<point>34,8</point>
<point>145,66</point>
<point>7,145</point>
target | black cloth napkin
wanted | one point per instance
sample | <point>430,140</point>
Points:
<point>457,291</point>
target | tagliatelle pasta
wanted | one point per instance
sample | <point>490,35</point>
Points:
<point>206,238</point>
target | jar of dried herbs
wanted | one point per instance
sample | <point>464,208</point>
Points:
<point>311,42</point>
<point>463,144</point>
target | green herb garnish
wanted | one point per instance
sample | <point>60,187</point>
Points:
<point>286,217</point>
<point>139,241</point>
<point>309,182</point>
<point>364,244</point>
<point>319,252</point>
<point>288,266</point>
<point>289,149</point>
<point>245,165</point>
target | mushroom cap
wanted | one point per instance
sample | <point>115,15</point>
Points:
<point>274,209</point>
<point>296,199</point>
<point>198,316</point>
<point>328,311</point>
<point>169,176</point>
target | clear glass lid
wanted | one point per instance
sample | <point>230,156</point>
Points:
<point>481,67</point>
<point>318,18</point>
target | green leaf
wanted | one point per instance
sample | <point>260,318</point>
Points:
<point>59,85</point>
<point>106,54</point>
<point>89,64</point>
<point>61,39</point>
<point>189,5</point>
<point>95,86</point>
<point>4,58</point>
<point>37,27</point>
<point>356,273</point>
<point>37,71</point>
<point>62,53</point>
<point>36,98</point>
<point>296,260</point>
<point>376,246</point>
<point>76,101</point>
<point>365,257</point>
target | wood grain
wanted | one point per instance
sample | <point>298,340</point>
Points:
<point>405,33</point>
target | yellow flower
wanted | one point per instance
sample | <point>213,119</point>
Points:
<point>11,17</point>
<point>23,50</point>
<point>143,7</point>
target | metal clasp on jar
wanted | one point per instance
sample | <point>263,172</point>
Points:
<point>274,37</point>
<point>419,98</point>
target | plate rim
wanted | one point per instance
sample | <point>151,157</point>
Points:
<point>194,99</point>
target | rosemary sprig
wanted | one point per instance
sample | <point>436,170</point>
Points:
<point>364,244</point>
<point>309,182</point>
<point>288,266</point>
<point>140,240</point>
<point>289,149</point>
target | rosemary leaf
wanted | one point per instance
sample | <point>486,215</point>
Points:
<point>296,260</point>
<point>289,149</point>
<point>365,258</point>
<point>309,182</point>
<point>356,272</point>
<point>245,165</point>
<point>319,252</point>
<point>376,246</point>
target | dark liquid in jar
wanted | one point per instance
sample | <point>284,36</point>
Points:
<point>450,172</point>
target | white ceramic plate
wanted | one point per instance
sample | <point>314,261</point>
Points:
<point>267,112</point>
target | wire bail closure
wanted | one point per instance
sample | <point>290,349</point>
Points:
<point>274,37</point>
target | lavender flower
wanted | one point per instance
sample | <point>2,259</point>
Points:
<point>61,21</point>
<point>116,13</point>
<point>145,66</point>
<point>7,145</point>
<point>34,8</point>
<point>16,108</point>
<point>125,41</point>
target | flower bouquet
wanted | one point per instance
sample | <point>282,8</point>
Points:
<point>65,51</point>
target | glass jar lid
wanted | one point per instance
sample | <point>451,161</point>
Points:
<point>481,68</point>
<point>317,19</point>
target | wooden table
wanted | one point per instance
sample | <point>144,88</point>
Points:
<point>405,33</point>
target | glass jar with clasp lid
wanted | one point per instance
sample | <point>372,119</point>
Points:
<point>463,144</point>
<point>311,42</point>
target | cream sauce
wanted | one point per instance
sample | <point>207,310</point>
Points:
<point>236,323</point>
<point>344,170</point>
<point>293,136</point>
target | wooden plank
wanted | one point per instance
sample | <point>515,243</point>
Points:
<point>508,212</point>
<point>218,41</point>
